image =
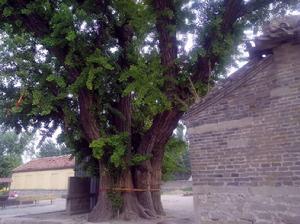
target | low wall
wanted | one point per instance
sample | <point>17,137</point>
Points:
<point>247,205</point>
<point>58,193</point>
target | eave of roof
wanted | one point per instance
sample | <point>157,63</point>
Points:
<point>34,170</point>
<point>277,32</point>
<point>230,84</point>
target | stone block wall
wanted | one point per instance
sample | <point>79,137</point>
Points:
<point>245,146</point>
<point>247,205</point>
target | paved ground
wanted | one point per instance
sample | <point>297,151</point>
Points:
<point>179,210</point>
<point>41,207</point>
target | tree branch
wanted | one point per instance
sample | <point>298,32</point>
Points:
<point>87,116</point>
<point>166,29</point>
<point>234,10</point>
<point>161,130</point>
<point>164,123</point>
<point>254,5</point>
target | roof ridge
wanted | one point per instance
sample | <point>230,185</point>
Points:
<point>47,163</point>
<point>47,157</point>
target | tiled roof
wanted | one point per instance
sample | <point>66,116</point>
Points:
<point>5,180</point>
<point>47,163</point>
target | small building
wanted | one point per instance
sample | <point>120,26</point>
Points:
<point>48,175</point>
<point>244,136</point>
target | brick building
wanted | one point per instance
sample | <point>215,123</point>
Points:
<point>244,136</point>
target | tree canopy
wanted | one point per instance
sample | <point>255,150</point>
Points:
<point>12,147</point>
<point>116,76</point>
<point>50,148</point>
<point>176,161</point>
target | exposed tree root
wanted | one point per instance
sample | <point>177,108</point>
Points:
<point>132,209</point>
<point>156,198</point>
<point>103,210</point>
<point>145,200</point>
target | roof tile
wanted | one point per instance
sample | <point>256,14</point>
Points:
<point>47,163</point>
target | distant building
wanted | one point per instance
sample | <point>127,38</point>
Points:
<point>48,175</point>
<point>244,136</point>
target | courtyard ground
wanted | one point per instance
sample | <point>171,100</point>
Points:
<point>177,201</point>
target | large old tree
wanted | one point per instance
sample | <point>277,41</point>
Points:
<point>116,76</point>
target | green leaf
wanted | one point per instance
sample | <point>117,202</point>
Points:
<point>7,11</point>
<point>137,159</point>
<point>98,148</point>
<point>26,11</point>
<point>117,156</point>
<point>90,79</point>
<point>16,109</point>
<point>2,2</point>
<point>36,97</point>
<point>46,110</point>
<point>57,79</point>
<point>97,59</point>
<point>71,36</point>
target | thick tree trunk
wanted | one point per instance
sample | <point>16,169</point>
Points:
<point>103,211</point>
<point>132,209</point>
<point>142,182</point>
<point>156,175</point>
<point>148,174</point>
<point>140,195</point>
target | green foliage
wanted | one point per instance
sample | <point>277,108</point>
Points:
<point>176,159</point>
<point>57,79</point>
<point>172,162</point>
<point>63,26</point>
<point>137,159</point>
<point>7,11</point>
<point>51,51</point>
<point>98,148</point>
<point>139,14</point>
<point>8,163</point>
<point>50,148</point>
<point>146,82</point>
<point>12,147</point>
<point>116,200</point>
<point>97,65</point>
<point>113,146</point>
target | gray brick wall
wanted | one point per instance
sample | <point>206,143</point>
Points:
<point>248,135</point>
<point>252,135</point>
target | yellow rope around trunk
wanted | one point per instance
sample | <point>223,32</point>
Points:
<point>128,189</point>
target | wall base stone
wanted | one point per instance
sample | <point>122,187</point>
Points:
<point>247,205</point>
